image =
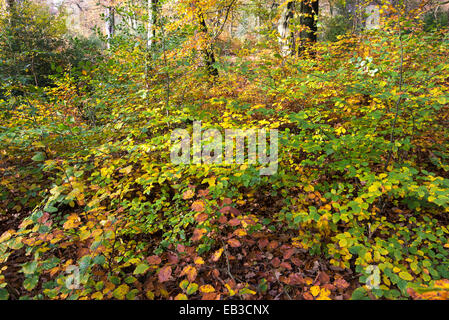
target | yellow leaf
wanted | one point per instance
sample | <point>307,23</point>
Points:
<point>231,292</point>
<point>97,296</point>
<point>181,296</point>
<point>6,235</point>
<point>240,232</point>
<point>315,290</point>
<point>84,235</point>
<point>126,170</point>
<point>210,180</point>
<point>343,243</point>
<point>217,255</point>
<point>324,294</point>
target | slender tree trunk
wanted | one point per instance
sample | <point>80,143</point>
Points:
<point>152,21</point>
<point>309,18</point>
<point>152,10</point>
<point>110,24</point>
<point>208,51</point>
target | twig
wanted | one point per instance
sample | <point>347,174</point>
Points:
<point>282,286</point>
<point>227,262</point>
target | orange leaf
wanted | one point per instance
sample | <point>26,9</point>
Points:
<point>198,206</point>
<point>198,234</point>
<point>188,194</point>
<point>200,217</point>
<point>190,272</point>
<point>240,232</point>
<point>207,288</point>
<point>234,243</point>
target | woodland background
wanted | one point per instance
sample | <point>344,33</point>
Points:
<point>92,208</point>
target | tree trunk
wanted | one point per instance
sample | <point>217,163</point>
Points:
<point>110,24</point>
<point>286,36</point>
<point>11,5</point>
<point>208,51</point>
<point>152,20</point>
<point>308,21</point>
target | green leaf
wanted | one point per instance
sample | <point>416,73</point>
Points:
<point>40,156</point>
<point>192,288</point>
<point>29,267</point>
<point>184,284</point>
<point>121,292</point>
<point>30,283</point>
<point>141,268</point>
<point>405,276</point>
<point>359,294</point>
<point>4,294</point>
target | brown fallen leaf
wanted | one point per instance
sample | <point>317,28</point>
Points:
<point>234,222</point>
<point>200,217</point>
<point>154,260</point>
<point>262,243</point>
<point>341,283</point>
<point>324,278</point>
<point>164,274</point>
<point>307,296</point>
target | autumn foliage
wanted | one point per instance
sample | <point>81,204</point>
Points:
<point>357,209</point>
